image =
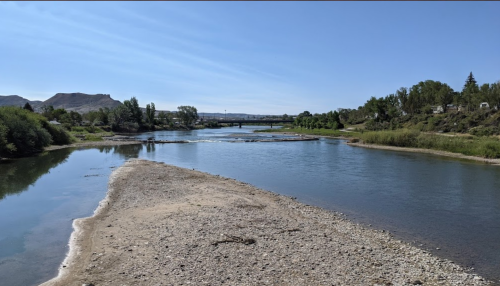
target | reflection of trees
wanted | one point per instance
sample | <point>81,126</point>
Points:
<point>17,175</point>
<point>124,151</point>
<point>150,147</point>
<point>128,151</point>
<point>105,149</point>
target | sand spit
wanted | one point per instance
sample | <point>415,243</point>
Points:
<point>164,225</point>
<point>427,151</point>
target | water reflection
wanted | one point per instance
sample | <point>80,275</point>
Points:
<point>29,169</point>
<point>126,151</point>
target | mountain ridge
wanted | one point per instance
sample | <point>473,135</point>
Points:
<point>76,101</point>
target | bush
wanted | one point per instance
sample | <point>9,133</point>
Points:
<point>59,135</point>
<point>23,132</point>
<point>484,130</point>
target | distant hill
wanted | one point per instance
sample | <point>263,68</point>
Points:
<point>16,100</point>
<point>81,102</point>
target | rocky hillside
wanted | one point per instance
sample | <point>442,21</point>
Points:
<point>79,102</point>
<point>16,100</point>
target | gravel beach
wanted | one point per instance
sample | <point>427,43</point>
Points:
<point>164,225</point>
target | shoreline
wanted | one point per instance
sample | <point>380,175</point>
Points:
<point>165,225</point>
<point>494,162</point>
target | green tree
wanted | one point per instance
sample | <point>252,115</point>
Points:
<point>444,96</point>
<point>470,92</point>
<point>187,114</point>
<point>119,116</point>
<point>494,95</point>
<point>5,146</point>
<point>23,132</point>
<point>402,95</point>
<point>150,114</point>
<point>134,109</point>
<point>47,111</point>
<point>302,119</point>
<point>28,107</point>
<point>72,118</point>
<point>57,113</point>
<point>163,117</point>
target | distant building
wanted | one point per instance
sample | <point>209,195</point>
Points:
<point>54,122</point>
<point>437,109</point>
<point>484,105</point>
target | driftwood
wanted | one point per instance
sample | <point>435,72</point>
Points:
<point>237,239</point>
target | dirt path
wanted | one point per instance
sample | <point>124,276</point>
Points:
<point>164,225</point>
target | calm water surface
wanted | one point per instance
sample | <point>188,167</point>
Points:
<point>435,202</point>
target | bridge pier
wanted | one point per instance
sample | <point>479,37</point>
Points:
<point>239,124</point>
<point>271,126</point>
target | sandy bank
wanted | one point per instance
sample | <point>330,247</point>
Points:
<point>427,151</point>
<point>164,225</point>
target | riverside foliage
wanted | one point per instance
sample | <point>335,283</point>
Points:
<point>23,132</point>
<point>486,147</point>
<point>420,102</point>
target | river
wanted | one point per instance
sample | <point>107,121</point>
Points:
<point>448,206</point>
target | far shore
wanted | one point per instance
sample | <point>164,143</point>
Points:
<point>427,151</point>
<point>165,225</point>
<point>404,149</point>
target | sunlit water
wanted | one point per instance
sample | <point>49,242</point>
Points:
<point>435,202</point>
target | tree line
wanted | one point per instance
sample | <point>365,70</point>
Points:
<point>24,132</point>
<point>424,97</point>
<point>125,117</point>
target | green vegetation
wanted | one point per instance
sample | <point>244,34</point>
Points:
<point>330,120</point>
<point>89,133</point>
<point>419,117</point>
<point>23,132</point>
<point>187,114</point>
<point>432,106</point>
<point>487,147</point>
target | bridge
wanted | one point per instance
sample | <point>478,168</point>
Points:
<point>241,121</point>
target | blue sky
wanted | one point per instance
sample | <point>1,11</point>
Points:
<point>244,57</point>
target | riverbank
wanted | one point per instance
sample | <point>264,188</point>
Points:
<point>405,149</point>
<point>427,151</point>
<point>164,225</point>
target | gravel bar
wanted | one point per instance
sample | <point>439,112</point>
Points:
<point>165,225</point>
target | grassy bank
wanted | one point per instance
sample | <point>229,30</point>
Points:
<point>89,133</point>
<point>316,132</point>
<point>486,147</point>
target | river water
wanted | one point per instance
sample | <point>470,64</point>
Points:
<point>431,201</point>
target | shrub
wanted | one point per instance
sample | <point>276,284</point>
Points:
<point>24,132</point>
<point>59,135</point>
